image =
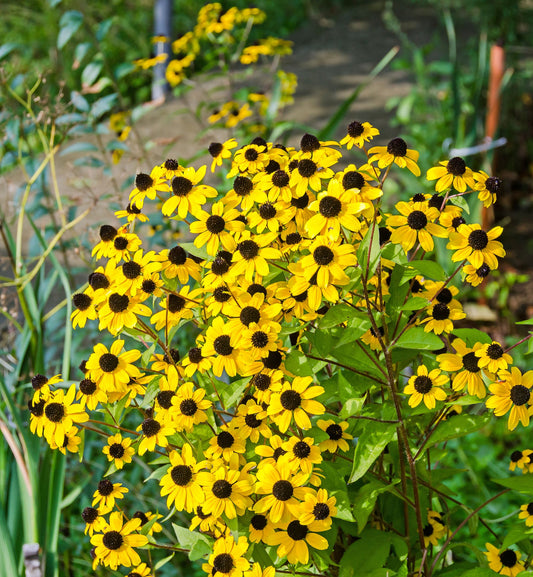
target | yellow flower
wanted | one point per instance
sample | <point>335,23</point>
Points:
<point>318,508</point>
<point>512,393</point>
<point>148,185</point>
<point>488,187</point>
<point>465,363</point>
<point>115,546</point>
<point>493,357</point>
<point>119,450</point>
<point>521,459</point>
<point>188,407</point>
<point>227,559</point>
<point>154,433</point>
<point>60,413</point>
<point>416,222</point>
<point>452,173</point>
<point>219,151</point>
<point>426,386</point>
<point>395,152</point>
<point>180,483</point>
<point>105,495</point>
<point>476,245</point>
<point>295,400</point>
<point>294,540</point>
<point>526,512</point>
<point>505,563</point>
<point>338,436</point>
<point>358,133</point>
<point>188,193</point>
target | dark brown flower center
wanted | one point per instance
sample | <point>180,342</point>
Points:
<point>301,450</point>
<point>108,362</point>
<point>105,487</point>
<point>441,312</point>
<point>423,384</point>
<point>225,440</point>
<point>89,514</point>
<point>177,255</point>
<point>112,540</point>
<point>181,186</point>
<point>222,345</point>
<point>397,147</point>
<point>445,296</point>
<point>87,387</point>
<point>131,269</point>
<point>296,531</point>
<point>471,362</point>
<point>249,249</point>
<point>118,303</point>
<point>280,178</point>
<point>282,490</point>
<point>456,166</point>
<point>267,211</point>
<point>116,450</point>
<point>329,206</point>
<point>175,303</point>
<point>290,400</point>
<point>252,421</point>
<point>262,382</point>
<point>223,563</point>
<point>273,360</point>
<point>221,489</point>
<point>321,511</point>
<point>494,351</point>
<point>301,202</point>
<point>181,475</point>
<point>259,339</point>
<point>97,280</point>
<point>82,301</point>
<point>215,224</point>
<point>493,184</point>
<point>309,143</point>
<point>188,407</point>
<point>508,558</point>
<point>143,181</point>
<point>520,395</point>
<point>120,243</point>
<point>355,129</point>
<point>171,164</point>
<point>54,412</point>
<point>195,355</point>
<point>478,239</point>
<point>107,232</point>
<point>417,220</point>
<point>164,398</point>
<point>215,148</point>
<point>307,168</point>
<point>150,427</point>
<point>242,186</point>
<point>258,522</point>
<point>323,255</point>
<point>251,154</point>
<point>334,431</point>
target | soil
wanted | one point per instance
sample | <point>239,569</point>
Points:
<point>333,54</point>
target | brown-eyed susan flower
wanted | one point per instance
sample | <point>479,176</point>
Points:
<point>520,460</point>
<point>441,316</point>
<point>237,114</point>
<point>112,369</point>
<point>259,339</point>
<point>119,450</point>
<point>416,222</point>
<point>149,522</point>
<point>338,437</point>
<point>252,254</point>
<point>465,364</point>
<point>120,310</point>
<point>93,520</point>
<point>227,559</point>
<point>276,184</point>
<point>395,152</point>
<point>493,358</point>
<point>223,345</point>
<point>434,529</point>
<point>243,193</point>
<point>226,491</point>
<point>526,512</point>
<point>115,545</point>
<point>296,401</point>
<point>310,172</point>
<point>334,208</point>
<point>269,216</point>
<point>258,571</point>
<point>188,193</point>
<point>488,187</point>
<point>188,407</point>
<point>105,495</point>
<point>132,272</point>
<point>512,393</point>
<point>115,244</point>
<point>85,308</point>
<point>301,454</point>
<point>221,150</point>
<point>180,483</point>
<point>148,185</point>
<point>175,262</point>
<point>176,307</point>
<point>228,442</point>
<point>141,570</point>
<point>426,386</point>
<point>371,339</point>
<point>60,413</point>
<point>358,133</point>
<point>154,432</point>
<point>216,228</point>
<point>283,490</point>
<point>475,276</point>
<point>476,245</point>
<point>452,173</point>
<point>41,386</point>
<point>208,523</point>
<point>71,442</point>
<point>328,259</point>
<point>251,422</point>
<point>261,529</point>
<point>195,361</point>
<point>506,562</point>
<point>318,508</point>
<point>294,540</point>
<point>270,453</point>
<point>248,160</point>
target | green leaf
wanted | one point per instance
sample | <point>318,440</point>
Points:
<point>365,501</point>
<point>322,341</point>
<point>417,338</point>
<point>7,48</point>
<point>369,262</point>
<point>373,440</point>
<point>472,336</point>
<point>520,484</point>
<point>103,28</point>
<point>461,202</point>
<point>188,539</point>
<point>103,105</point>
<point>415,304</point>
<point>526,322</point>
<point>162,562</point>
<point>516,533</point>
<point>365,555</point>
<point>78,147</point>
<point>458,426</point>
<point>429,269</point>
<point>68,26</point>
<point>337,314</point>
<point>298,364</point>
<point>91,72</point>
<point>79,102</point>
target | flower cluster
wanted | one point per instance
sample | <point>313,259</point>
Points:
<point>296,263</point>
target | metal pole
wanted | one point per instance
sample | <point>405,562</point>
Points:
<point>162,27</point>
